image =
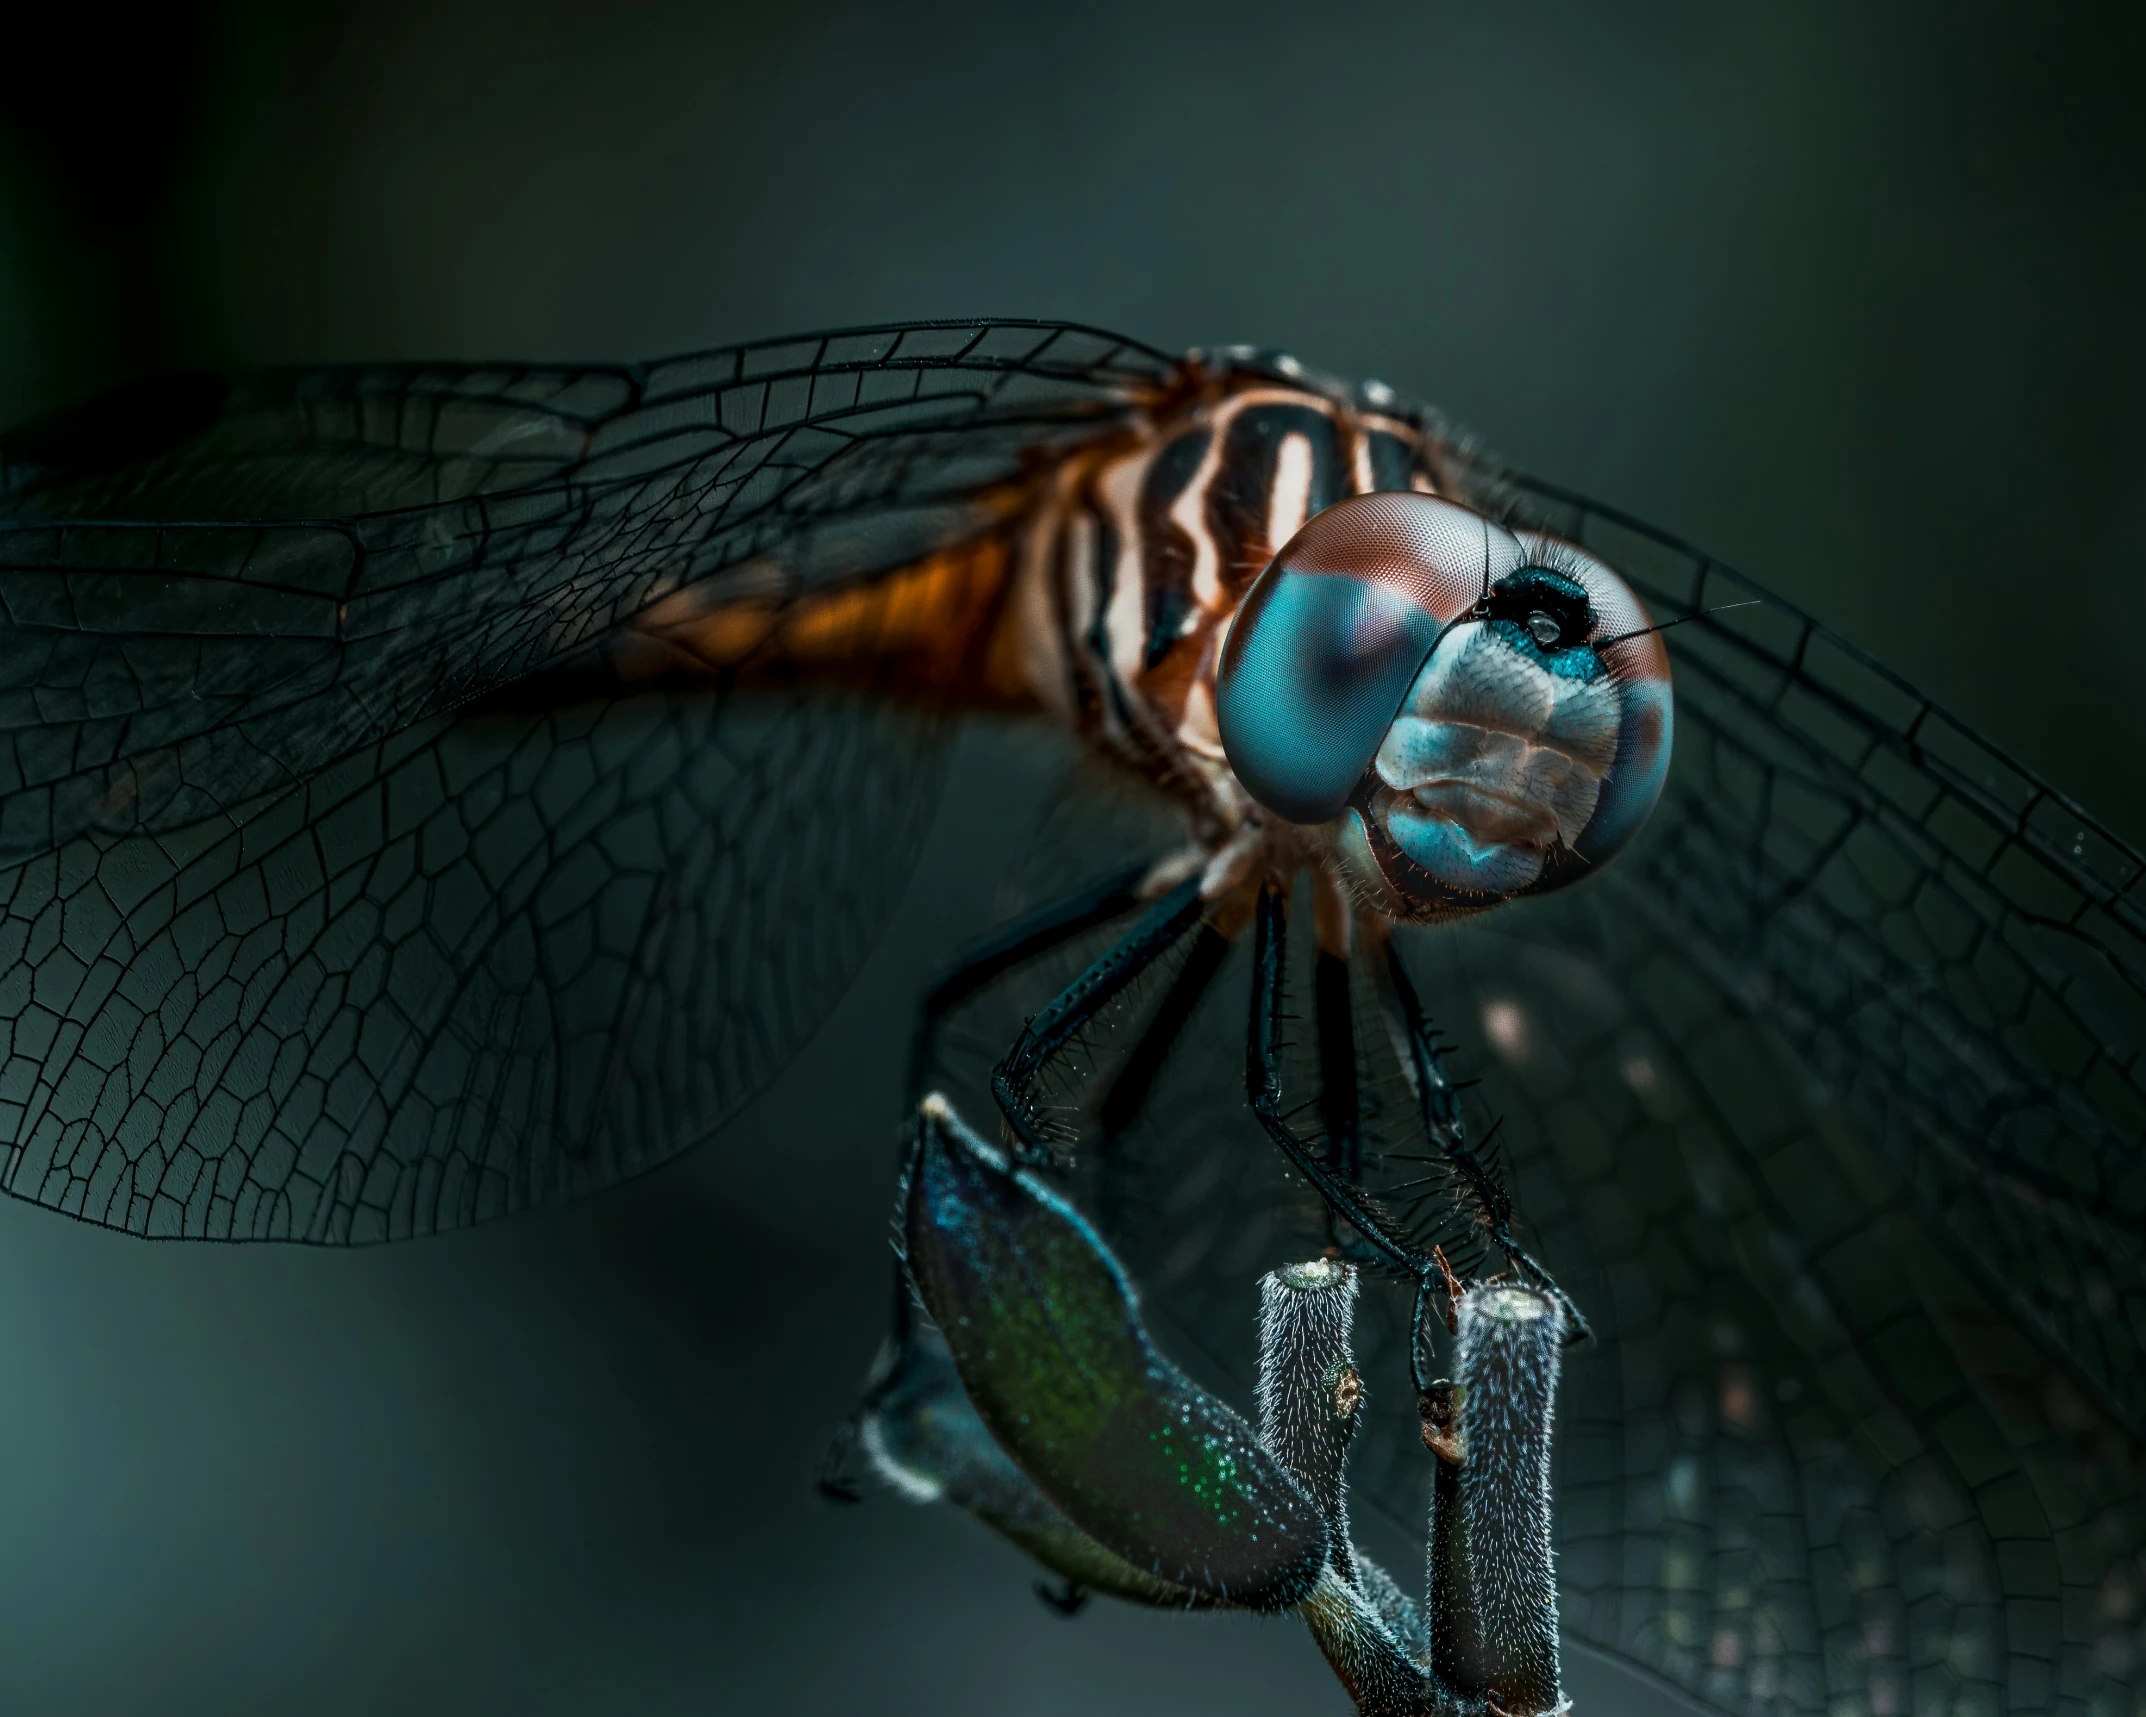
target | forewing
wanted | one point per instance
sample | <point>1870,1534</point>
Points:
<point>1953,947</point>
<point>310,562</point>
<point>324,914</point>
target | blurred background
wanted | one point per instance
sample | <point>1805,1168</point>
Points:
<point>1850,295</point>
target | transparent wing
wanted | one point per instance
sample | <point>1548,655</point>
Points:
<point>210,593</point>
<point>1823,1103</point>
<point>340,897</point>
<point>1954,949</point>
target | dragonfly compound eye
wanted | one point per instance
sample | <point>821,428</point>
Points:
<point>1429,681</point>
<point>1331,636</point>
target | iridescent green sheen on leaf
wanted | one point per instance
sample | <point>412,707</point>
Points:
<point>1045,1332</point>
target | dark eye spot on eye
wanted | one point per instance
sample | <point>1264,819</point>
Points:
<point>1545,630</point>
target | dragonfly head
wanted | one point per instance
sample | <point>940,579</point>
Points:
<point>1476,712</point>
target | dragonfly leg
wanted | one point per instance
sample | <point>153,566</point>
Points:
<point>1263,1087</point>
<point>1014,1080</point>
<point>1014,945</point>
<point>1121,1105</point>
<point>1344,1196</point>
<point>1340,1109</point>
<point>1446,1128</point>
<point>1006,949</point>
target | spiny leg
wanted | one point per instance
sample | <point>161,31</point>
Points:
<point>1005,950</point>
<point>1346,1197</point>
<point>1340,1100</point>
<point>1014,1080</point>
<point>1263,1087</point>
<point>1128,1092</point>
<point>1010,947</point>
<point>1446,1129</point>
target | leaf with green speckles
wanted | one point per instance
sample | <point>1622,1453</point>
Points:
<point>921,1433</point>
<point>1045,1332</point>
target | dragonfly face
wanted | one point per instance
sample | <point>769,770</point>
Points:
<point>1478,713</point>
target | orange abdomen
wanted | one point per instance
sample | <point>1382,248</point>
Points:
<point>933,630</point>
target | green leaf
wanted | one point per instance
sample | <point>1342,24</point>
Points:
<point>923,1436</point>
<point>1046,1335</point>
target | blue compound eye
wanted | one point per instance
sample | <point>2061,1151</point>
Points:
<point>1332,634</point>
<point>1314,669</point>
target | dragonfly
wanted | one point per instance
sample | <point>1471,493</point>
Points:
<point>435,791</point>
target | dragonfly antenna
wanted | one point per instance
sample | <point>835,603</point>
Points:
<point>1751,602</point>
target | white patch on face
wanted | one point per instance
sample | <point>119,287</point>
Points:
<point>1493,760</point>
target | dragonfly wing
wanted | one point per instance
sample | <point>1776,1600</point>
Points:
<point>327,911</point>
<point>215,594</point>
<point>1813,1461</point>
<point>1953,948</point>
<point>485,964</point>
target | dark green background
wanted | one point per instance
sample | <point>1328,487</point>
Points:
<point>1850,295</point>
